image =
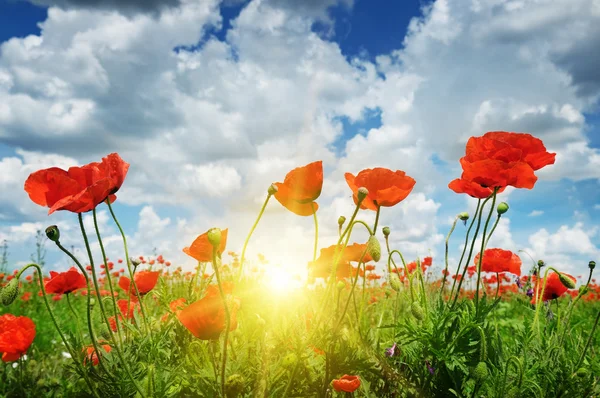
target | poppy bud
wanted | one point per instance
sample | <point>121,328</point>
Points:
<point>341,220</point>
<point>417,310</point>
<point>480,371</point>
<point>502,208</point>
<point>582,372</point>
<point>362,194</point>
<point>135,262</point>
<point>53,233</point>
<point>541,263</point>
<point>592,265</point>
<point>214,236</point>
<point>341,285</point>
<point>92,302</point>
<point>272,189</point>
<point>386,231</point>
<point>395,282</point>
<point>10,292</point>
<point>464,216</point>
<point>234,385</point>
<point>566,281</point>
<point>374,248</point>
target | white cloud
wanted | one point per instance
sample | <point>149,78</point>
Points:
<point>536,213</point>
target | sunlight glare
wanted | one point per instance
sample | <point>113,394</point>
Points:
<point>282,282</point>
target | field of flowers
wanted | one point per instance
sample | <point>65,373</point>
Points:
<point>365,322</point>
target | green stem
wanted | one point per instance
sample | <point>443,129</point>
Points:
<point>465,247</point>
<point>101,304</point>
<point>227,319</point>
<point>76,316</point>
<point>446,256</point>
<point>493,228</point>
<point>316,231</point>
<point>481,252</point>
<point>376,220</point>
<point>589,341</point>
<point>128,260</point>
<point>243,256</point>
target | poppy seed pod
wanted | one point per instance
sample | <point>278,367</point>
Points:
<point>592,265</point>
<point>395,282</point>
<point>417,311</point>
<point>53,233</point>
<point>341,220</point>
<point>464,216</point>
<point>341,285</point>
<point>135,262</point>
<point>386,231</point>
<point>374,248</point>
<point>566,281</point>
<point>214,236</point>
<point>10,292</point>
<point>272,189</point>
<point>502,208</point>
<point>362,194</point>
<point>541,263</point>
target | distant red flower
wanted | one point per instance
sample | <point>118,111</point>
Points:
<point>65,282</point>
<point>498,260</point>
<point>386,187</point>
<point>554,287</point>
<point>369,267</point>
<point>26,296</point>
<point>145,281</point>
<point>91,353</point>
<point>16,335</point>
<point>205,318</point>
<point>201,249</point>
<point>300,188</point>
<point>80,189</point>
<point>346,383</point>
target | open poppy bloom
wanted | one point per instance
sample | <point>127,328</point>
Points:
<point>65,282</point>
<point>91,353</point>
<point>16,335</point>
<point>498,260</point>
<point>321,267</point>
<point>206,317</point>
<point>201,249</point>
<point>145,281</point>
<point>80,189</point>
<point>554,287</point>
<point>386,187</point>
<point>300,188</point>
<point>346,383</point>
<point>471,188</point>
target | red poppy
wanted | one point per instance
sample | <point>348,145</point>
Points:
<point>91,354</point>
<point>205,318</point>
<point>300,188</point>
<point>321,267</point>
<point>471,188</point>
<point>26,296</point>
<point>175,306</point>
<point>369,267</point>
<point>79,189</point>
<point>498,260</point>
<point>16,335</point>
<point>386,187</point>
<point>145,281</point>
<point>65,282</point>
<point>554,287</point>
<point>201,249</point>
<point>346,383</point>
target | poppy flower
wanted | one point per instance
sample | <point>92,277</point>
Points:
<point>65,282</point>
<point>91,354</point>
<point>498,260</point>
<point>145,281</point>
<point>321,267</point>
<point>201,249</point>
<point>175,306</point>
<point>554,287</point>
<point>300,188</point>
<point>346,383</point>
<point>80,189</point>
<point>206,317</point>
<point>386,187</point>
<point>16,335</point>
<point>471,188</point>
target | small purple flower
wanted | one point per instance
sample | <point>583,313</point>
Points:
<point>430,368</point>
<point>518,282</point>
<point>530,292</point>
<point>390,352</point>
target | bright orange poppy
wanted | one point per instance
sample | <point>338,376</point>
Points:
<point>80,189</point>
<point>65,282</point>
<point>498,260</point>
<point>346,383</point>
<point>145,281</point>
<point>206,317</point>
<point>300,188</point>
<point>386,187</point>
<point>16,335</point>
<point>201,249</point>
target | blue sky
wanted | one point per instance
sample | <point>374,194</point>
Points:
<point>211,101</point>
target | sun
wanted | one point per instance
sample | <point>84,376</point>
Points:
<point>281,281</point>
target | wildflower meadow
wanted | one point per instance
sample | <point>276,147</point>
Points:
<point>365,321</point>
